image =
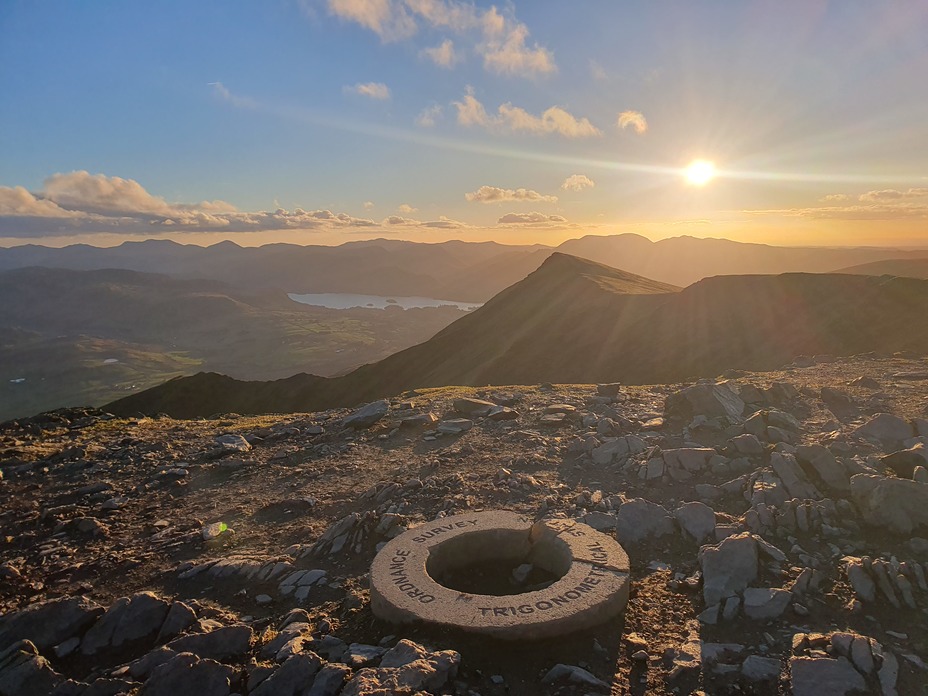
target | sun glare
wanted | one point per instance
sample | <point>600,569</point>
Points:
<point>699,172</point>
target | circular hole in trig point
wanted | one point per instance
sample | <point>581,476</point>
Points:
<point>498,562</point>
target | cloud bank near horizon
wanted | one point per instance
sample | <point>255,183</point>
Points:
<point>77,203</point>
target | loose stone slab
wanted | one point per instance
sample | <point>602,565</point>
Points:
<point>592,571</point>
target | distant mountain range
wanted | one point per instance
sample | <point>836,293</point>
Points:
<point>462,271</point>
<point>909,268</point>
<point>574,320</point>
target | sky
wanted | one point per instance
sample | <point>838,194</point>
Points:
<point>326,121</point>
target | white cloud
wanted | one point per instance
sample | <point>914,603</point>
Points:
<point>373,90</point>
<point>577,182</point>
<point>78,202</point>
<point>512,57</point>
<point>499,38</point>
<point>368,205</point>
<point>442,55</point>
<point>386,18</point>
<point>429,116</point>
<point>470,112</point>
<point>529,218</point>
<point>492,194</point>
<point>635,119</point>
<point>552,120</point>
<point>406,209</point>
<point>399,220</point>
<point>18,202</point>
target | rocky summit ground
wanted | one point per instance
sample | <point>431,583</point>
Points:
<point>777,525</point>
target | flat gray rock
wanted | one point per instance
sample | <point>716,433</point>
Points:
<point>367,415</point>
<point>822,676</point>
<point>640,519</point>
<point>729,567</point>
<point>696,519</point>
<point>708,400</point>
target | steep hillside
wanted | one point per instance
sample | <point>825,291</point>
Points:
<point>577,321</point>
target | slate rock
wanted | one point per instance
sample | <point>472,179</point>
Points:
<point>640,519</point>
<point>573,675</point>
<point>23,672</point>
<point>367,415</point>
<point>793,477</point>
<point>188,674</point>
<point>821,676</point>
<point>127,620</point>
<point>179,618</point>
<point>49,623</point>
<point>329,680</point>
<point>728,567</point>
<point>896,504</point>
<point>233,442</point>
<point>455,426</point>
<point>885,427</point>
<point>293,678</point>
<point>708,400</point>
<point>221,644</point>
<point>904,462</point>
<point>696,519</point>
<point>826,467</point>
<point>764,603</point>
<point>473,407</point>
<point>760,669</point>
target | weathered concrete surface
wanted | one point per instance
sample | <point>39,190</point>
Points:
<point>593,588</point>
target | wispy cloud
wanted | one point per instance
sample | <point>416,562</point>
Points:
<point>894,195</point>
<point>388,19</point>
<point>223,92</point>
<point>493,194</point>
<point>499,38</point>
<point>442,55</point>
<point>511,56</point>
<point>372,90</point>
<point>529,219</point>
<point>429,116</point>
<point>406,209</point>
<point>633,119</point>
<point>470,112</point>
<point>577,182</point>
<point>885,204</point>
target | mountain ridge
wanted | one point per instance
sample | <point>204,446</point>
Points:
<point>577,321</point>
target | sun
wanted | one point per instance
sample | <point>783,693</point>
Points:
<point>699,172</point>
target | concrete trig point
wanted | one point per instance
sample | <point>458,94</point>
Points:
<point>591,570</point>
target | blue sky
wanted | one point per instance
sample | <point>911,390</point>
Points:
<point>199,120</point>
